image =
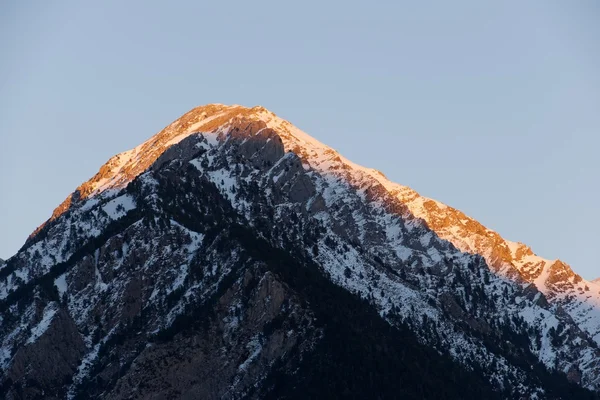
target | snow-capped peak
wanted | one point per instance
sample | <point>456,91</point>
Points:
<point>510,259</point>
<point>211,190</point>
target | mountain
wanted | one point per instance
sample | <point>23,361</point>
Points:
<point>555,279</point>
<point>234,256</point>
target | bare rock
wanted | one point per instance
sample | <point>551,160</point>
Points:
<point>44,367</point>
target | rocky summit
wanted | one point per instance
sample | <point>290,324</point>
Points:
<point>232,256</point>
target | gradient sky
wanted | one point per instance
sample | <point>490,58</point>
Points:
<point>491,108</point>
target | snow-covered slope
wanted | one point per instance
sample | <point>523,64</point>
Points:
<point>555,279</point>
<point>156,233</point>
<point>561,286</point>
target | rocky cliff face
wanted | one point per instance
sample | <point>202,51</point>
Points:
<point>233,256</point>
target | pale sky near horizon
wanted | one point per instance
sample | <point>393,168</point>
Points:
<point>490,107</point>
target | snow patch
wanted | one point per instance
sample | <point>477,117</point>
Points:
<point>44,324</point>
<point>61,284</point>
<point>119,206</point>
<point>255,347</point>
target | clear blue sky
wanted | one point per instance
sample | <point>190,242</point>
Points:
<point>491,108</point>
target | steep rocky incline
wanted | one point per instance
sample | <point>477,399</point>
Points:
<point>232,252</point>
<point>516,261</point>
<point>561,286</point>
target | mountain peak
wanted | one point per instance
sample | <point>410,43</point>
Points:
<point>227,201</point>
<point>216,122</point>
<point>120,169</point>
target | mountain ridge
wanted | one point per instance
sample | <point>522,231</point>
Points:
<point>132,252</point>
<point>514,260</point>
<point>123,167</point>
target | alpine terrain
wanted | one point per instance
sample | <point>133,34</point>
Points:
<point>232,256</point>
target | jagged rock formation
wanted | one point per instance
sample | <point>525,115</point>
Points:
<point>233,256</point>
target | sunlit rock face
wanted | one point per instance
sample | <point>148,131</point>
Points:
<point>234,256</point>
